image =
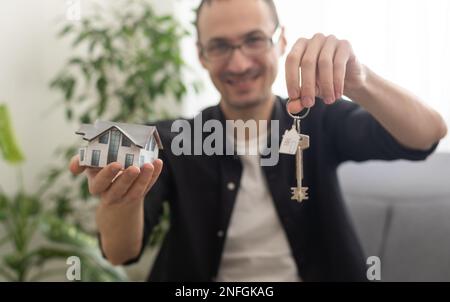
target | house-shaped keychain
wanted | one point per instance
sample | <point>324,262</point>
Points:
<point>128,144</point>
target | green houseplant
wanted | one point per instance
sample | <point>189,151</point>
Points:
<point>23,217</point>
<point>126,65</point>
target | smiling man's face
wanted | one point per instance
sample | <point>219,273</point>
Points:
<point>244,81</point>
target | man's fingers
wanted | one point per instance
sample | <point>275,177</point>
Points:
<point>316,68</point>
<point>343,54</point>
<point>295,106</point>
<point>74,165</point>
<point>132,183</point>
<point>309,70</point>
<point>292,68</point>
<point>121,185</point>
<point>158,165</point>
<point>100,180</point>
<point>138,189</point>
<point>326,70</point>
<point>92,172</point>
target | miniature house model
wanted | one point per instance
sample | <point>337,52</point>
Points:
<point>128,144</point>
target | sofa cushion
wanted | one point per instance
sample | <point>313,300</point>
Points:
<point>370,217</point>
<point>401,213</point>
<point>418,241</point>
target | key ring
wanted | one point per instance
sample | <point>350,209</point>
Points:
<point>295,117</point>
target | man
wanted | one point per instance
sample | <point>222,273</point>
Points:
<point>233,220</point>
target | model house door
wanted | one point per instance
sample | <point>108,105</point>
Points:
<point>113,148</point>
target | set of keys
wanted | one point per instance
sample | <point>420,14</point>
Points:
<point>294,143</point>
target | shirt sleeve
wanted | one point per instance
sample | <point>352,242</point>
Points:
<point>153,205</point>
<point>356,135</point>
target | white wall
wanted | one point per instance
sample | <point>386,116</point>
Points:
<point>30,56</point>
<point>405,41</point>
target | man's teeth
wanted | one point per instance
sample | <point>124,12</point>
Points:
<point>239,81</point>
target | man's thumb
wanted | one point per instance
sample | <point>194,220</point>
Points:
<point>75,167</point>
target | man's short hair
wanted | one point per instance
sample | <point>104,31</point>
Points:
<point>270,3</point>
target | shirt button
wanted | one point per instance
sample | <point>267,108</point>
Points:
<point>220,234</point>
<point>231,186</point>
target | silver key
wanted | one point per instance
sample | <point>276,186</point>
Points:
<point>294,142</point>
<point>300,193</point>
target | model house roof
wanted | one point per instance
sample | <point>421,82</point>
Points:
<point>138,134</point>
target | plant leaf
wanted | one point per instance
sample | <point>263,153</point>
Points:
<point>8,144</point>
<point>4,204</point>
<point>57,230</point>
<point>66,29</point>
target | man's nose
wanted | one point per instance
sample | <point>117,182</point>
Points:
<point>238,62</point>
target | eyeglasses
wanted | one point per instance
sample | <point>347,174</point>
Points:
<point>252,46</point>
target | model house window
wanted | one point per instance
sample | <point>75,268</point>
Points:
<point>95,158</point>
<point>113,149</point>
<point>81,155</point>
<point>125,141</point>
<point>129,160</point>
<point>104,138</point>
<point>153,143</point>
<point>141,160</point>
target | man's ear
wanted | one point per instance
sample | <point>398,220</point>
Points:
<point>201,57</point>
<point>283,42</point>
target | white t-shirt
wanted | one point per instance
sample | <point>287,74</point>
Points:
<point>256,247</point>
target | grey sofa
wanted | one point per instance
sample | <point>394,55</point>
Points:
<point>401,213</point>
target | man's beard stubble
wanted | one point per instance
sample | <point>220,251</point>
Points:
<point>251,73</point>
